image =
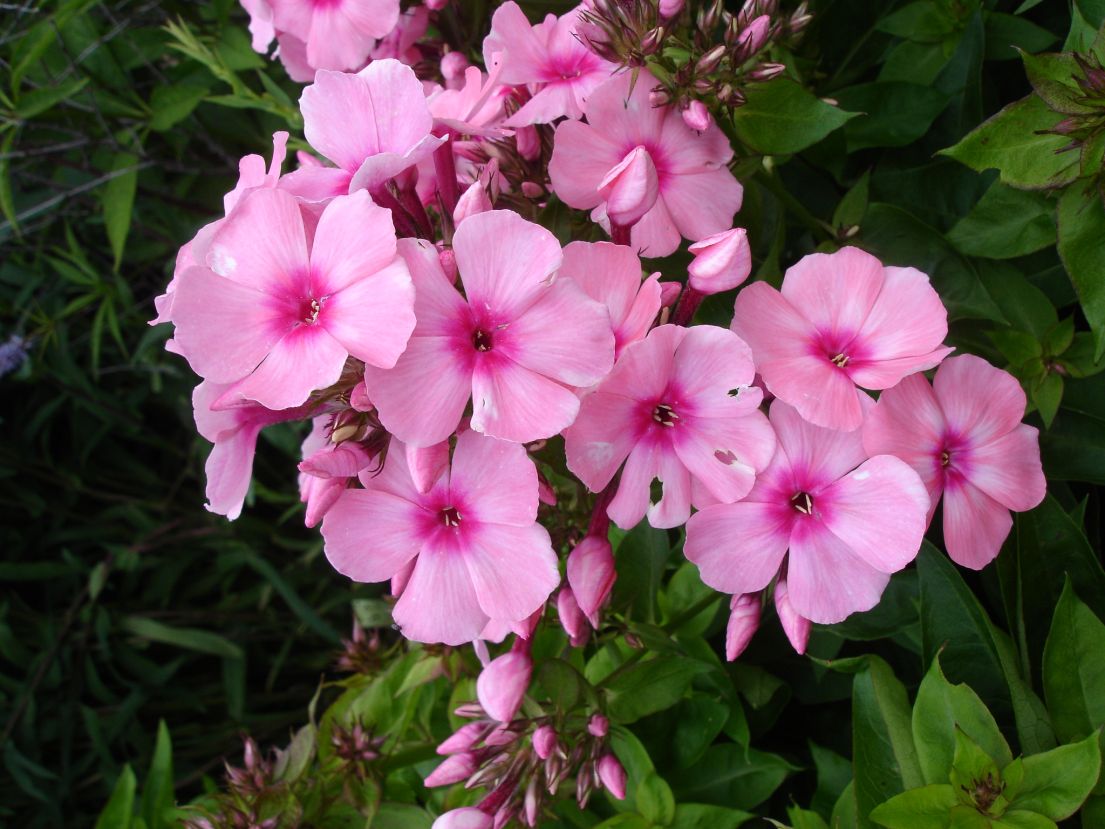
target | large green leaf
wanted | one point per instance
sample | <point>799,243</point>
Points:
<point>891,113</point>
<point>1006,223</point>
<point>1056,782</point>
<point>1082,247</point>
<point>651,686</point>
<point>157,791</point>
<point>729,775</point>
<point>1074,668</point>
<point>782,117</point>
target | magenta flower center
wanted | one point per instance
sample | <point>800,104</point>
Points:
<point>840,360</point>
<point>482,340</point>
<point>450,517</point>
<point>665,415</point>
<point>802,502</point>
<point>945,458</point>
<point>309,310</point>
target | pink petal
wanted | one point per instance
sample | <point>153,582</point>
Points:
<point>648,461</point>
<point>822,393</point>
<point>437,305</point>
<point>722,261</point>
<point>1008,469</point>
<point>655,234</point>
<point>979,401</point>
<point>496,480</point>
<point>645,367</point>
<point>725,454</point>
<point>513,403</point>
<point>620,109</point>
<point>370,535</point>
<point>738,547</point>
<point>555,100</point>
<point>709,363</point>
<point>505,262</point>
<point>835,291</point>
<point>601,438</point>
<point>879,511</point>
<point>975,525</point>
<point>439,602</point>
<point>885,374</point>
<point>229,469</point>
<point>376,18</point>
<point>630,188</point>
<point>674,507</point>
<point>744,621</point>
<point>608,273</point>
<point>524,53</point>
<point>581,158</point>
<point>513,569</point>
<point>306,359</point>
<point>355,237</point>
<point>563,335</point>
<point>422,399</point>
<point>333,43</point>
<point>828,581</point>
<point>373,318</point>
<point>379,167</point>
<point>702,204</point>
<point>794,624</point>
<point>262,244</point>
<point>907,319</point>
<point>817,455</point>
<point>427,464</point>
<point>591,575</point>
<point>771,326</point>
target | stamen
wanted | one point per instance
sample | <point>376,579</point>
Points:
<point>665,415</point>
<point>945,458</point>
<point>802,503</point>
<point>311,312</point>
<point>840,360</point>
<point>481,340</point>
<point>451,517</point>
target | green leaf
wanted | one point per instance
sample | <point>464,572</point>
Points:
<point>562,683</point>
<point>939,710</point>
<point>170,105</point>
<point>1006,33</point>
<point>1058,781</point>
<point>728,775</point>
<point>1012,143</point>
<point>699,720</point>
<point>844,814</point>
<point>1024,306</point>
<point>401,816</point>
<point>118,202</point>
<point>851,209</point>
<point>157,791</point>
<point>883,754</point>
<point>640,559</point>
<point>923,808</point>
<point>781,117</point>
<point>1046,396</point>
<point>703,816</point>
<point>1081,230</point>
<point>1052,76</point>
<point>922,21</point>
<point>37,102</point>
<point>192,639</point>
<point>1005,223</point>
<point>1022,820</point>
<point>119,811</point>
<point>834,776</point>
<point>889,113</point>
<point>971,764</point>
<point>1074,668</point>
<point>655,800</point>
<point>651,686</point>
<point>804,819</point>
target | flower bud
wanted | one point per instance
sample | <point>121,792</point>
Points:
<point>544,741</point>
<point>502,685</point>
<point>631,188</point>
<point>669,293</point>
<point>448,261</point>
<point>796,627</point>
<point>571,617</point>
<point>591,575</point>
<point>670,8</point>
<point>598,726</point>
<point>721,262</point>
<point>452,770</point>
<point>532,190</point>
<point>658,97</point>
<point>528,142</point>
<point>467,818</point>
<point>472,201</point>
<point>531,802</point>
<point>612,775</point>
<point>462,739</point>
<point>744,619</point>
<point>754,38</point>
<point>766,71</point>
<point>697,116</point>
<point>711,60</point>
<point>453,65</point>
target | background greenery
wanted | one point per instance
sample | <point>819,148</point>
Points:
<point>125,604</point>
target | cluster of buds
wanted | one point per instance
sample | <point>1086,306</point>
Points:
<point>523,763</point>
<point>628,32</point>
<point>361,653</point>
<point>356,748</point>
<point>238,808</point>
<point>1082,105</point>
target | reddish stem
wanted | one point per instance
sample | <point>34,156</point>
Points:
<point>620,234</point>
<point>446,168</point>
<point>600,521</point>
<point>689,300</point>
<point>405,225</point>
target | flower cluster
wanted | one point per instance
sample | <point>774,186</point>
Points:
<point>395,291</point>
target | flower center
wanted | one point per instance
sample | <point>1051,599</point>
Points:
<point>802,502</point>
<point>945,458</point>
<point>840,360</point>
<point>450,517</point>
<point>665,415</point>
<point>481,340</point>
<point>309,310</point>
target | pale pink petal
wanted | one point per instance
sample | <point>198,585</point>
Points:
<point>316,183</point>
<point>674,507</point>
<point>725,454</point>
<point>770,325</point>
<point>306,359</point>
<point>980,402</point>
<point>828,582</point>
<point>378,168</point>
<point>581,158</point>
<point>879,511</point>
<point>819,456</point>
<point>835,291</point>
<point>439,602</point>
<point>632,500</point>
<point>229,469</point>
<point>608,273</point>
<point>794,624</point>
<point>975,525</point>
<point>505,262</point>
<point>656,234</point>
<point>513,403</point>
<point>496,481</point>
<point>822,393</point>
<point>885,374</point>
<point>1008,469</point>
<point>355,238</point>
<point>333,43</point>
<point>513,569</point>
<point>712,361</point>
<point>427,464</point>
<point>376,18</point>
<point>620,110</point>
<point>907,319</point>
<point>744,620</point>
<point>554,101</point>
<point>370,535</point>
<point>563,335</point>
<point>601,437</point>
<point>645,367</point>
<point>373,318</point>
<point>702,204</point>
<point>292,52</point>
<point>524,53</point>
<point>630,187</point>
<point>738,547</point>
<point>262,244</point>
<point>437,304</point>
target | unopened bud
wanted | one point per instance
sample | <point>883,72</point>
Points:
<point>631,188</point>
<point>612,775</point>
<point>598,726</point>
<point>452,770</point>
<point>658,97</point>
<point>652,41</point>
<point>591,574</point>
<point>502,685</point>
<point>721,262</point>
<point>453,65</point>
<point>697,116</point>
<point>711,60</point>
<point>467,818</point>
<point>766,71</point>
<point>472,201</point>
<point>744,619</point>
<point>670,8</point>
<point>571,617</point>
<point>544,741</point>
<point>462,739</point>
<point>795,626</point>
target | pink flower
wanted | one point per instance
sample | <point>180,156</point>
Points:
<point>964,437</point>
<point>696,194</point>
<point>260,23</point>
<point>721,262</point>
<point>842,320</point>
<point>478,553</point>
<point>612,775</point>
<point>373,125</point>
<point>744,621</point>
<point>467,817</point>
<point>550,56</point>
<point>502,685</point>
<point>463,738</point>
<point>847,521</point>
<point>401,42</point>
<point>677,407</point>
<point>327,468</point>
<point>339,34</point>
<point>517,346</point>
<point>611,274</point>
<point>591,575</point>
<point>278,315</point>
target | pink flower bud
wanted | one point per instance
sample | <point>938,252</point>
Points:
<point>721,262</point>
<point>448,261</point>
<point>531,802</point>
<point>545,492</point>
<point>797,628</point>
<point>467,818</point>
<point>502,685</point>
<point>427,463</point>
<point>744,619</point>
<point>472,201</point>
<point>630,189</point>
<point>544,741</point>
<point>767,71</point>
<point>452,770</point>
<point>670,8</point>
<point>612,775</point>
<point>528,142</point>
<point>755,36</point>
<point>697,116</point>
<point>462,739</point>
<point>435,6</point>
<point>591,575</point>
<point>501,735</point>
<point>571,617</point>
<point>453,65</point>
<point>400,579</point>
<point>532,190</point>
<point>669,293</point>
<point>598,726</point>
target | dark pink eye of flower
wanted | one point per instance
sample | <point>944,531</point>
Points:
<point>450,517</point>
<point>802,502</point>
<point>665,415</point>
<point>482,340</point>
<point>840,360</point>
<point>309,310</point>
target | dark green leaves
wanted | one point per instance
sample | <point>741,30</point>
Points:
<point>1081,229</point>
<point>1074,669</point>
<point>1006,223</point>
<point>651,686</point>
<point>782,117</point>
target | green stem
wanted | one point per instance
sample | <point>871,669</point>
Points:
<point>795,207</point>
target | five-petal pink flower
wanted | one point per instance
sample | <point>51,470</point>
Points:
<point>339,34</point>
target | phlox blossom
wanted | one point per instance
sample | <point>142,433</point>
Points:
<point>338,34</point>
<point>327,468</point>
<point>678,407</point>
<point>478,552</point>
<point>841,320</point>
<point>696,195</point>
<point>517,343</point>
<point>842,521</point>
<point>277,311</point>
<point>964,437</point>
